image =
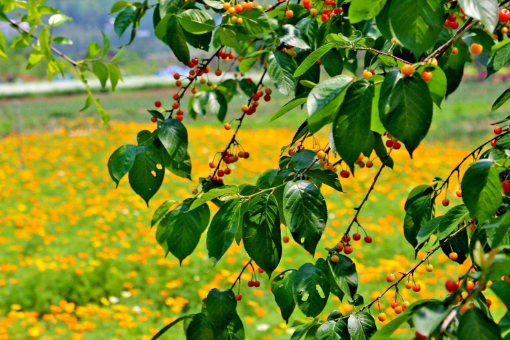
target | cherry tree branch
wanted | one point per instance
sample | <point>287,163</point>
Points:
<point>412,270</point>
<point>238,279</point>
<point>55,50</point>
<point>382,53</point>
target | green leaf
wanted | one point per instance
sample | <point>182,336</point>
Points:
<point>312,59</point>
<point>497,231</point>
<point>502,291</point>
<point>351,125</point>
<point>474,324</point>
<point>361,326</point>
<point>101,72</point>
<point>344,275</point>
<point>361,10</point>
<point>223,229</point>
<point>437,86</point>
<point>308,28</point>
<point>255,23</point>
<point>176,39</point>
<point>161,212</point>
<point>481,190</point>
<point>212,194</point>
<point>118,6</point>
<point>196,21</point>
<point>121,161</point>
<point>281,286</point>
<point>174,137</point>
<point>201,41</point>
<point>58,19</point>
<point>261,232</point>
<point>380,148</point>
<point>333,62</point>
<point>429,317</point>
<point>281,70</point>
<point>306,213</point>
<point>234,330</point>
<point>501,100</point>
<point>419,212</point>
<point>248,62</point>
<point>484,10</point>
<point>124,19</point>
<point>499,59</point>
<point>227,35</point>
<point>199,328</point>
<point>115,75</point>
<point>325,176</point>
<point>311,288</point>
<point>289,106</point>
<point>146,175</point>
<point>294,37</point>
<point>170,325</point>
<point>427,230</point>
<point>451,220</point>
<point>221,307</point>
<point>180,230</point>
<point>324,101</point>
<point>93,50</point>
<point>417,23</point>
<point>333,330</point>
<point>410,108</point>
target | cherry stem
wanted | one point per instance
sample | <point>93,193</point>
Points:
<point>238,279</point>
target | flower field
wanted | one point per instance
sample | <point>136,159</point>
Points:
<point>78,259</point>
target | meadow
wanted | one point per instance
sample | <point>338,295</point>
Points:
<point>79,260</point>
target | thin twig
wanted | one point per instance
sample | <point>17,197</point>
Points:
<point>238,279</point>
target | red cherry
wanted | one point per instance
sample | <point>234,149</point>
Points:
<point>157,103</point>
<point>451,286</point>
<point>452,17</point>
<point>246,155</point>
<point>154,119</point>
<point>493,142</point>
<point>368,239</point>
<point>239,297</point>
<point>250,283</point>
<point>348,249</point>
<point>498,130</point>
<point>257,283</point>
<point>397,145</point>
<point>345,174</point>
<point>227,171</point>
<point>454,25</point>
<point>504,15</point>
<point>221,173</point>
<point>389,143</point>
<point>347,238</point>
<point>506,186</point>
<point>356,237</point>
<point>416,288</point>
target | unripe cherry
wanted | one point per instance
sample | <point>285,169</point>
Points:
<point>416,288</point>
<point>498,130</point>
<point>381,317</point>
<point>426,75</point>
<point>453,256</point>
<point>408,70</point>
<point>476,49</point>
<point>408,284</point>
<point>390,277</point>
<point>429,268</point>
<point>227,126</point>
<point>335,258</point>
<point>289,13</point>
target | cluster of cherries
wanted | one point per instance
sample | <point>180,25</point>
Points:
<point>452,22</point>
<point>345,246</point>
<point>228,158</point>
<point>243,6</point>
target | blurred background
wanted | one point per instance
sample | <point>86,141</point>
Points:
<point>78,259</point>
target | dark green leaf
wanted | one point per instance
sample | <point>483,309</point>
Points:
<point>248,62</point>
<point>196,21</point>
<point>311,288</point>
<point>501,100</point>
<point>312,59</point>
<point>333,62</point>
<point>200,328</point>
<point>223,229</point>
<point>255,23</point>
<point>281,70</point>
<point>429,317</point>
<point>221,307</point>
<point>170,325</point>
<point>180,230</point>
<point>289,106</point>
<point>481,190</point>
<point>344,275</point>
<point>410,109</point>
<point>451,220</point>
<point>281,286</point>
<point>325,176</point>
<point>261,232</point>
<point>174,137</point>
<point>324,101</point>
<point>124,19</point>
<point>417,23</point>
<point>121,161</point>
<point>474,324</point>
<point>306,213</point>
<point>333,330</point>
<point>161,212</point>
<point>427,230</point>
<point>361,326</point>
<point>147,172</point>
<point>351,125</point>
<point>176,40</point>
<point>227,190</point>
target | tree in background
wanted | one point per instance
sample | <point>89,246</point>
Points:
<point>413,54</point>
